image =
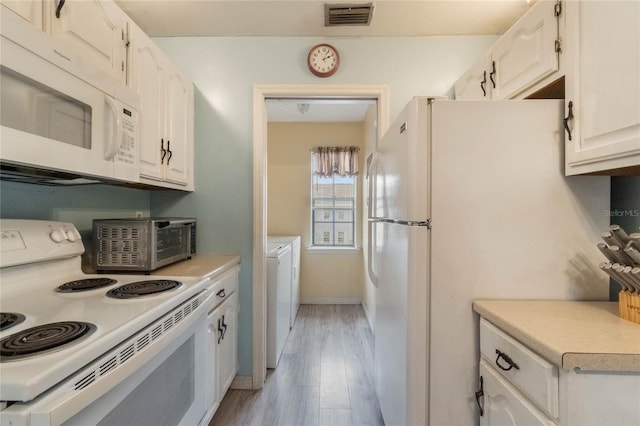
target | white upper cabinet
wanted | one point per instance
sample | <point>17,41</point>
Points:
<point>95,29</point>
<point>603,87</point>
<point>527,52</point>
<point>30,10</point>
<point>525,58</point>
<point>166,122</point>
<point>179,126</point>
<point>473,83</point>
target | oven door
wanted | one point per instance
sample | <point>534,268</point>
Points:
<point>145,381</point>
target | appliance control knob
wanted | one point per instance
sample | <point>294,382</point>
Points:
<point>58,235</point>
<point>73,235</point>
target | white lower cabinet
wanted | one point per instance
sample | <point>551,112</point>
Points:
<point>222,363</point>
<point>504,404</point>
<point>518,387</point>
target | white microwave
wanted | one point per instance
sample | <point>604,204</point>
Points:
<point>60,114</point>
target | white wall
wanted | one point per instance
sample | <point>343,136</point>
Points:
<point>225,71</point>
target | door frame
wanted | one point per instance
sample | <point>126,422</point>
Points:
<point>260,95</point>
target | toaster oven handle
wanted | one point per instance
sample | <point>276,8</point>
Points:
<point>163,224</point>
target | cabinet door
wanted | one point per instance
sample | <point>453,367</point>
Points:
<point>604,86</point>
<point>94,29</point>
<point>504,405</point>
<point>179,127</point>
<point>147,78</point>
<point>30,10</point>
<point>526,53</point>
<point>229,343</point>
<point>475,83</point>
<point>213,361</point>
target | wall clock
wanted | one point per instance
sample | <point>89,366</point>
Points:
<point>323,60</point>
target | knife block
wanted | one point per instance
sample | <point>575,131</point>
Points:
<point>629,306</point>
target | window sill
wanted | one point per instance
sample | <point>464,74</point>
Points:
<point>333,250</point>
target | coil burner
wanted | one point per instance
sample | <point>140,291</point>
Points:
<point>43,338</point>
<point>85,285</point>
<point>9,319</point>
<point>143,288</point>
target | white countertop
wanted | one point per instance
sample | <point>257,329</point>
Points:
<point>570,334</point>
<point>201,265</point>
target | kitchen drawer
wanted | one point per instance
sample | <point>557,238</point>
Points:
<point>536,378</point>
<point>224,286</point>
<point>504,404</point>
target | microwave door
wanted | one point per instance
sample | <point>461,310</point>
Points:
<point>50,118</point>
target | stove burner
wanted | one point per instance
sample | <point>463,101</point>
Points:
<point>84,284</point>
<point>143,288</point>
<point>9,319</point>
<point>35,340</point>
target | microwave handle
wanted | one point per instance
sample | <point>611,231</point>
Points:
<point>112,141</point>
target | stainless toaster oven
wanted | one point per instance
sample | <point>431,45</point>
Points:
<point>142,244</point>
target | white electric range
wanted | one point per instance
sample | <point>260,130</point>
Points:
<point>73,354</point>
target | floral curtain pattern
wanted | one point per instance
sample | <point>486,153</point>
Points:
<point>330,160</point>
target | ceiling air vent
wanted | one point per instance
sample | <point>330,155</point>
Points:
<point>342,14</point>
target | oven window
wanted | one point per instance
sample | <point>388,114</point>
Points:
<point>34,108</point>
<point>164,397</point>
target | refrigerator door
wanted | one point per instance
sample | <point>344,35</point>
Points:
<point>401,332</point>
<point>402,171</point>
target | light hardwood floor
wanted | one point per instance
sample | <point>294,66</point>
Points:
<point>324,377</point>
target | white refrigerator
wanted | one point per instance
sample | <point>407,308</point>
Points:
<point>468,200</point>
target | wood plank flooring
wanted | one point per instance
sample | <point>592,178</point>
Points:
<point>324,377</point>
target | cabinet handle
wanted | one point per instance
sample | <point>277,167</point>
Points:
<point>169,151</point>
<point>506,359</point>
<point>482,83</point>
<point>163,151</point>
<point>221,293</point>
<point>567,118</point>
<point>59,8</point>
<point>224,331</point>
<point>480,395</point>
<point>220,332</point>
<point>492,73</point>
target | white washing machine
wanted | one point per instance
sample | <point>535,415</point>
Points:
<point>294,241</point>
<point>278,299</point>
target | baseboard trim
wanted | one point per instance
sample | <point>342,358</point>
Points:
<point>330,301</point>
<point>242,382</point>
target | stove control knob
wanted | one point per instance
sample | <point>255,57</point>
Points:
<point>58,235</point>
<point>73,235</point>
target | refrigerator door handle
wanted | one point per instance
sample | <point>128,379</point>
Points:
<point>371,193</point>
<point>371,231</point>
<point>371,209</point>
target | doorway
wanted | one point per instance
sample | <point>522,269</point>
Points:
<point>263,93</point>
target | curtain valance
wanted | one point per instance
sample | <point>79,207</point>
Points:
<point>330,160</point>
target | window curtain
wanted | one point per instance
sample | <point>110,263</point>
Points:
<point>330,160</point>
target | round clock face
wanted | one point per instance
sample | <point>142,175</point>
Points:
<point>323,60</point>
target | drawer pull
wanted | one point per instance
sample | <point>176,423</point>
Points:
<point>221,293</point>
<point>479,395</point>
<point>506,359</point>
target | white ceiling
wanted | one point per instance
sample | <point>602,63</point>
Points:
<point>293,18</point>
<point>319,110</point>
<point>306,17</point>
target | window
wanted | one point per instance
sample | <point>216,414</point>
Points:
<point>333,210</point>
